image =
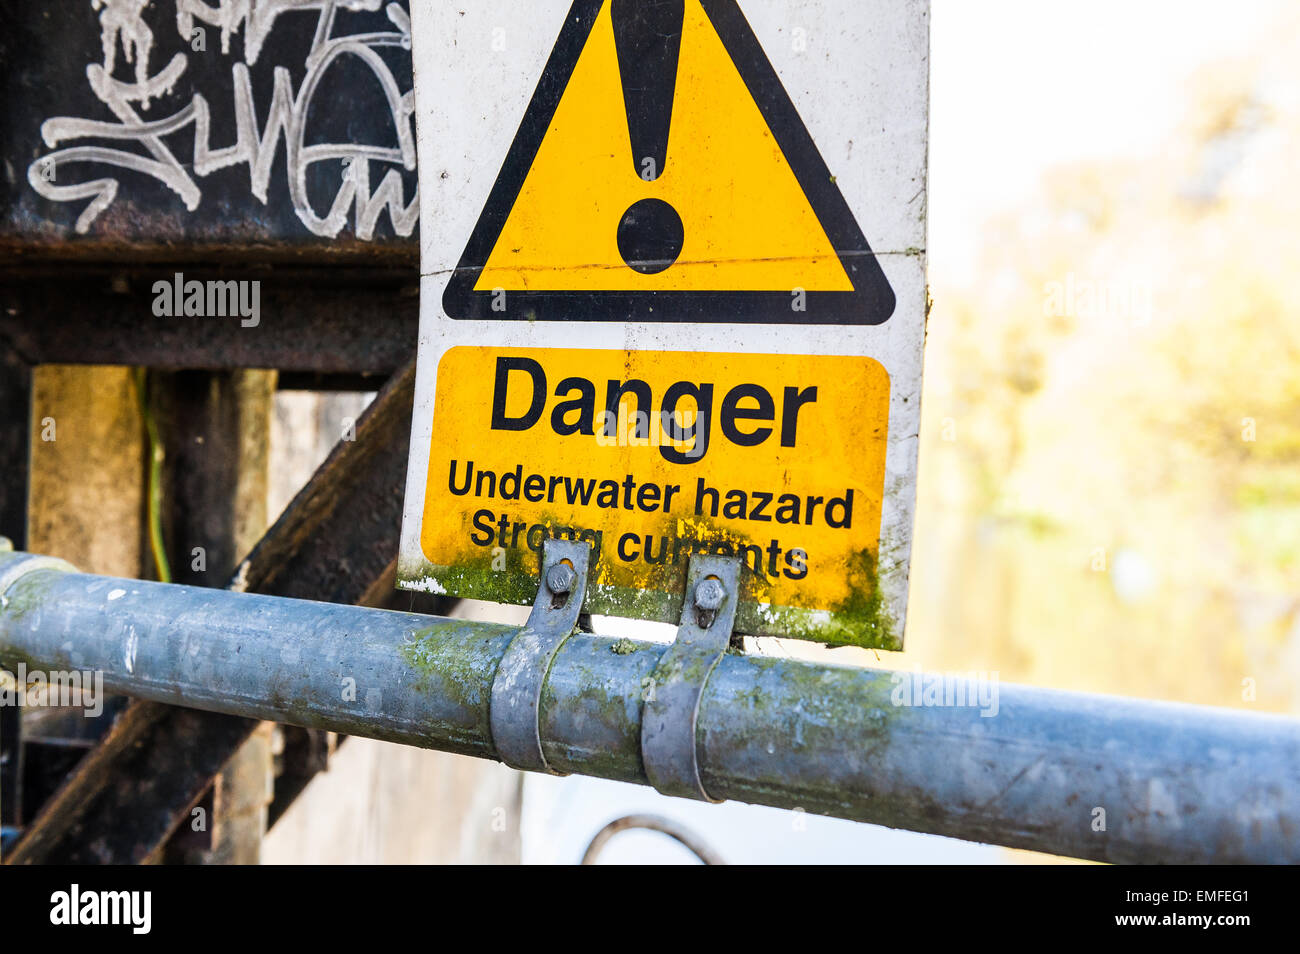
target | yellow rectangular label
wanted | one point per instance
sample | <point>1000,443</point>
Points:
<point>652,455</point>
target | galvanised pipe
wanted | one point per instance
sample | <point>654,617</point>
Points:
<point>1177,783</point>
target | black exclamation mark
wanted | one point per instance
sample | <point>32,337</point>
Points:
<point>648,39</point>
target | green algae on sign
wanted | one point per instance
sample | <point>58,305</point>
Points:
<point>862,620</point>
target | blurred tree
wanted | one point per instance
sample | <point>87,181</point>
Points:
<point>1110,479</point>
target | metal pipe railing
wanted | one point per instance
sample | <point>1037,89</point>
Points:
<point>1095,777</point>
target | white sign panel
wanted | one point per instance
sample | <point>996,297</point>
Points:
<point>673,301</point>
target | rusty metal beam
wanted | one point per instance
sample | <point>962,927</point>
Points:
<point>336,542</point>
<point>311,381</point>
<point>214,429</point>
<point>338,537</point>
<point>15,448</point>
<point>107,811</point>
<point>310,321</point>
<point>15,443</point>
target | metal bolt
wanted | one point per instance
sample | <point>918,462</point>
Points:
<point>560,578</point>
<point>709,593</point>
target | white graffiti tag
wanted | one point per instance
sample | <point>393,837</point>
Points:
<point>254,146</point>
<point>122,19</point>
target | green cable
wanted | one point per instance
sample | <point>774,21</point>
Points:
<point>153,494</point>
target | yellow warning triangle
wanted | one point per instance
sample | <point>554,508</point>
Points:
<point>761,230</point>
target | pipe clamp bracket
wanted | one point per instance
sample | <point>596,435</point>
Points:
<point>672,698</point>
<point>15,565</point>
<point>517,687</point>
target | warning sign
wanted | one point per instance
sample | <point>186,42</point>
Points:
<point>713,202</point>
<point>652,319</point>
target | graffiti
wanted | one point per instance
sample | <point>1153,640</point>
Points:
<point>123,19</point>
<point>255,145</point>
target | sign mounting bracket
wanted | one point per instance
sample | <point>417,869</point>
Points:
<point>677,684</point>
<point>517,686</point>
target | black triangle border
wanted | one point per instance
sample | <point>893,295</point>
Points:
<point>871,302</point>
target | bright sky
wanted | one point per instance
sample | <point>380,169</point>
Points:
<point>1018,86</point>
